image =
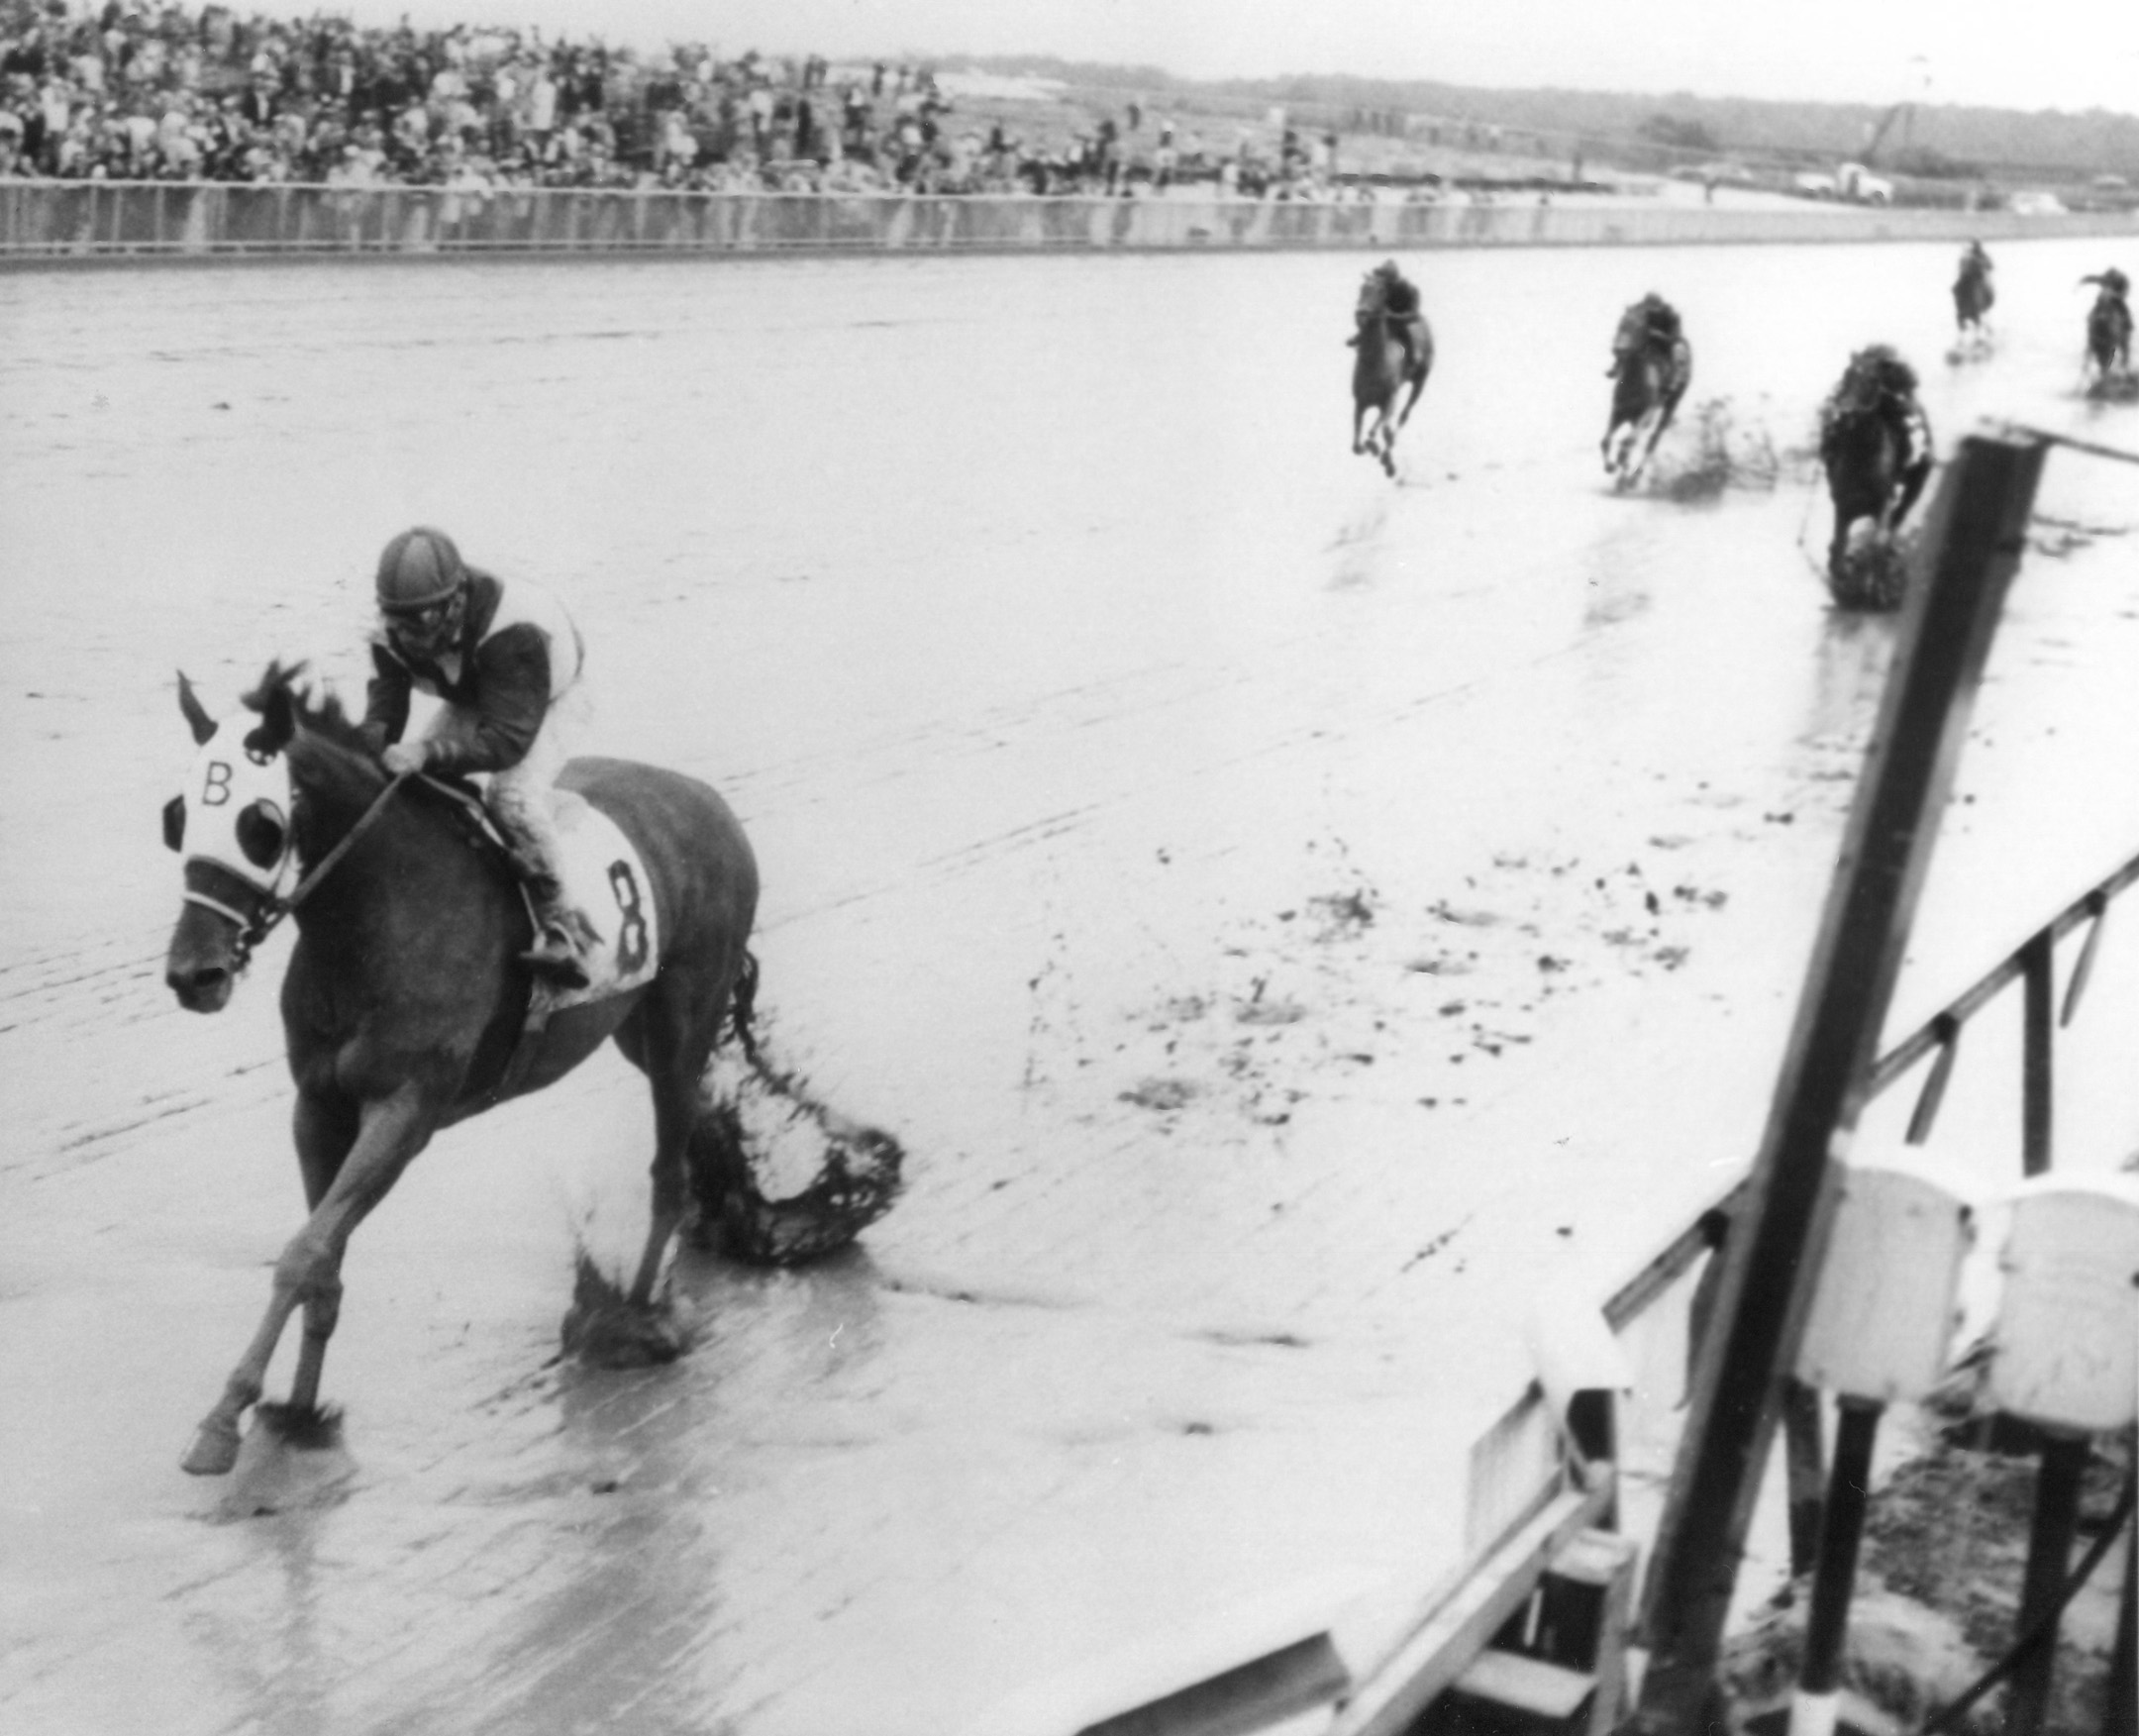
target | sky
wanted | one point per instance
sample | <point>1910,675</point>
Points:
<point>2052,54</point>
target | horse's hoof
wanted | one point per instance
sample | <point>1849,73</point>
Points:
<point>213,1450</point>
<point>626,1339</point>
<point>604,1328</point>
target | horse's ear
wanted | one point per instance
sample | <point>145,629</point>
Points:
<point>196,714</point>
<point>278,722</point>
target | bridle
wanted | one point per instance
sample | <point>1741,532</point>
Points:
<point>253,929</point>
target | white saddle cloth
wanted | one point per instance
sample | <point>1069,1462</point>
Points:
<point>604,878</point>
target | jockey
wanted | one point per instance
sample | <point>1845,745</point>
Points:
<point>1400,300</point>
<point>1974,262</point>
<point>1659,330</point>
<point>500,656</point>
<point>1878,380</point>
<point>2112,315</point>
<point>2115,287</point>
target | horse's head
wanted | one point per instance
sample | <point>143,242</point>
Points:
<point>1373,296</point>
<point>231,823</point>
<point>1633,332</point>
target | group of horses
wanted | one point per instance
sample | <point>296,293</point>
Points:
<point>1875,472</point>
<point>1388,375</point>
<point>407,1006</point>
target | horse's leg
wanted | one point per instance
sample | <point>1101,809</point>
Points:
<point>393,1130</point>
<point>326,1130</point>
<point>1418,387</point>
<point>1913,484</point>
<point>1383,443</point>
<point>1838,547</point>
<point>1662,420</point>
<point>674,1040</point>
<point>1358,424</point>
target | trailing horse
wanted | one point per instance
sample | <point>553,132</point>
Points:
<point>1650,377</point>
<point>406,1006</point>
<point>1380,371</point>
<point>1972,298</point>
<point>2108,336</point>
<point>1872,477</point>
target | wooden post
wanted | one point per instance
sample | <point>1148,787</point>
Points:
<point>2039,994</point>
<point>1973,540</point>
<point>2049,1539</point>
<point>2120,1715</point>
<point>1804,1454</point>
<point>1819,1677</point>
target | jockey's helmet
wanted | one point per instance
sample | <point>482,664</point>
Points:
<point>418,571</point>
<point>422,587</point>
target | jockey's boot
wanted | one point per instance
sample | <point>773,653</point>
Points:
<point>562,936</point>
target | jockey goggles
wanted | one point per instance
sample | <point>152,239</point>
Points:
<point>423,621</point>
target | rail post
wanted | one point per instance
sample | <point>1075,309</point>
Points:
<point>2038,972</point>
<point>2058,1469</point>
<point>1973,549</point>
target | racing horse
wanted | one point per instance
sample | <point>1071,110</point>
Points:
<point>2108,332</point>
<point>1378,372</point>
<point>1648,381</point>
<point>1972,298</point>
<point>1871,474</point>
<point>404,1006</point>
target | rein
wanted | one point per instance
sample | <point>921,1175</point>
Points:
<point>252,932</point>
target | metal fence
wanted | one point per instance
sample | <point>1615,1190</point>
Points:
<point>47,219</point>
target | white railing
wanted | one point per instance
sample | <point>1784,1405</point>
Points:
<point>95,219</point>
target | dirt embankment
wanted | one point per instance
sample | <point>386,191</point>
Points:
<point>1938,1592</point>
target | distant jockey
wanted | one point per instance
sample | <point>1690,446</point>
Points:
<point>2109,321</point>
<point>1401,301</point>
<point>500,656</point>
<point>1879,380</point>
<point>1650,324</point>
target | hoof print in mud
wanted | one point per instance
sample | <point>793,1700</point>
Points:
<point>784,1178</point>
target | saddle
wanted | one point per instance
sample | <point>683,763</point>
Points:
<point>602,877</point>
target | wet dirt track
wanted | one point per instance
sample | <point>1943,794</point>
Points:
<point>1287,916</point>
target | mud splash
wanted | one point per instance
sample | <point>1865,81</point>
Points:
<point>778,1175</point>
<point>1715,450</point>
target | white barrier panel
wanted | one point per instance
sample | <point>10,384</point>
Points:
<point>2067,1332</point>
<point>1883,1315</point>
<point>95,219</point>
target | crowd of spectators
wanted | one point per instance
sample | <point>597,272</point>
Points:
<point>158,90</point>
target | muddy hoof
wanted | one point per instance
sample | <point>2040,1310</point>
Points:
<point>622,1338</point>
<point>306,1429</point>
<point>291,1460</point>
<point>604,1328</point>
<point>1872,576</point>
<point>213,1450</point>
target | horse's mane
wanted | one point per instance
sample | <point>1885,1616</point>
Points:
<point>318,712</point>
<point>331,758</point>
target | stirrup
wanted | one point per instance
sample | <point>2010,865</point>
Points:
<point>554,956</point>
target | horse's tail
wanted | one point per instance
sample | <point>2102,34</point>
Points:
<point>743,1007</point>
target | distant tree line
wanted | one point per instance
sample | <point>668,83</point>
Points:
<point>1932,140</point>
